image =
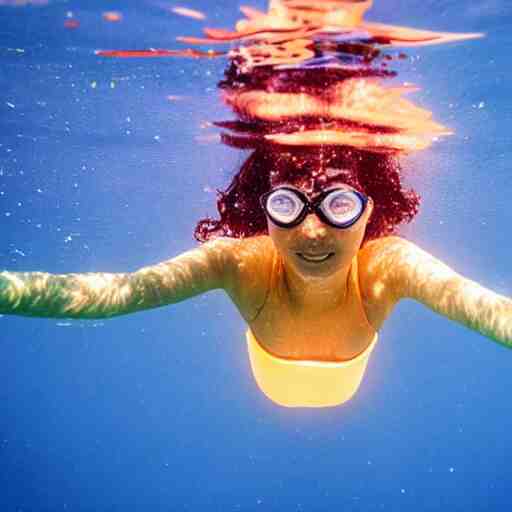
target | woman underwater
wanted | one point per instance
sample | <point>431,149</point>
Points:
<point>306,246</point>
<point>314,292</point>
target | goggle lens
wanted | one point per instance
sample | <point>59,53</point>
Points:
<point>284,206</point>
<point>342,206</point>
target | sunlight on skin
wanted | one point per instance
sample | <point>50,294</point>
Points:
<point>391,269</point>
<point>312,309</point>
<point>407,271</point>
<point>102,295</point>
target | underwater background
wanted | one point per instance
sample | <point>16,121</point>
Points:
<point>107,164</point>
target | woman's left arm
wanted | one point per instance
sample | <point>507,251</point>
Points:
<point>415,274</point>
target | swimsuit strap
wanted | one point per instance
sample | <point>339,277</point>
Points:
<point>357,296</point>
<point>270,284</point>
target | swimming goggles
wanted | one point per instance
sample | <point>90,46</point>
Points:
<point>338,207</point>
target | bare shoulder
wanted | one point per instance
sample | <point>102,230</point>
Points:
<point>248,264</point>
<point>378,261</point>
<point>375,260</point>
<point>395,268</point>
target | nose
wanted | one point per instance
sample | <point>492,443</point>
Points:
<point>313,228</point>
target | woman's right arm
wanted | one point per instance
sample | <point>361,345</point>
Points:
<point>104,295</point>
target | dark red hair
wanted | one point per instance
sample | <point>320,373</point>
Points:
<point>375,174</point>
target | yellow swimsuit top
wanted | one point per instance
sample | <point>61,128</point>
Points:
<point>309,383</point>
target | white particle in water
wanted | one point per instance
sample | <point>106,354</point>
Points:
<point>10,104</point>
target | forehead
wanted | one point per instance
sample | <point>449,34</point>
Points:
<point>309,188</point>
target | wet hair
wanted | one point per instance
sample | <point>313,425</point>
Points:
<point>375,174</point>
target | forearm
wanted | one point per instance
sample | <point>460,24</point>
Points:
<point>411,272</point>
<point>104,295</point>
<point>98,295</point>
<point>474,306</point>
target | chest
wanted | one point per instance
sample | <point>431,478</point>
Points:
<point>325,332</point>
<point>337,333</point>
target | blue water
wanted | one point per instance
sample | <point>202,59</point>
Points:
<point>99,171</point>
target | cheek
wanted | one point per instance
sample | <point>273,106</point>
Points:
<point>348,238</point>
<point>282,238</point>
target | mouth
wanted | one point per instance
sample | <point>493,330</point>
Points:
<point>315,258</point>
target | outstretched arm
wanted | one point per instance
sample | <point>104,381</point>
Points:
<point>415,274</point>
<point>103,295</point>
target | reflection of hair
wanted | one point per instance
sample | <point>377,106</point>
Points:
<point>374,174</point>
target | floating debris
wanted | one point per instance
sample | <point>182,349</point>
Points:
<point>189,13</point>
<point>172,97</point>
<point>112,16</point>
<point>71,23</point>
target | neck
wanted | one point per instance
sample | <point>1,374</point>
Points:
<point>315,294</point>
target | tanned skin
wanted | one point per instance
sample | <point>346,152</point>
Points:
<point>294,307</point>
